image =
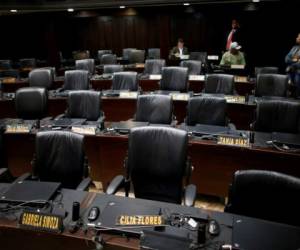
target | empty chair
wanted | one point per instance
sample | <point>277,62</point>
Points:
<point>277,116</point>
<point>266,70</point>
<point>84,104</point>
<point>59,157</point>
<point>198,56</point>
<point>174,79</point>
<point>157,164</point>
<point>41,78</point>
<point>108,59</point>
<point>154,66</point>
<point>76,80</point>
<point>5,64</point>
<point>126,53</point>
<point>156,109</point>
<point>125,81</point>
<point>27,63</point>
<point>100,53</point>
<point>266,195</point>
<point>219,84</point>
<point>112,68</point>
<point>194,67</point>
<point>137,56</point>
<point>31,103</point>
<point>271,85</point>
<point>86,64</point>
<point>206,110</point>
<point>154,53</point>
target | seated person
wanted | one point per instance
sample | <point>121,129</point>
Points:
<point>293,62</point>
<point>179,50</point>
<point>233,56</point>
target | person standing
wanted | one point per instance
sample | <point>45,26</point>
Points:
<point>234,35</point>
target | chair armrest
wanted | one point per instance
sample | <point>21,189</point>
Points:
<point>3,171</point>
<point>5,175</point>
<point>60,116</point>
<point>84,184</point>
<point>23,177</point>
<point>232,126</point>
<point>116,184</point>
<point>190,194</point>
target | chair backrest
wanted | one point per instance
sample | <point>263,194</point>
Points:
<point>278,116</point>
<point>206,110</point>
<point>5,64</point>
<point>108,59</point>
<point>112,68</point>
<point>266,70</point>
<point>219,84</point>
<point>27,63</point>
<point>102,52</point>
<point>157,161</point>
<point>156,109</point>
<point>199,56</point>
<point>266,195</point>
<point>76,80</point>
<point>125,81</point>
<point>31,103</point>
<point>86,64</point>
<point>271,85</point>
<point>84,104</point>
<point>60,158</point>
<point>41,78</point>
<point>137,56</point>
<point>154,53</point>
<point>126,53</point>
<point>174,79</point>
<point>194,67</point>
<point>154,66</point>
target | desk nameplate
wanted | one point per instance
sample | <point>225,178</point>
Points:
<point>128,94</point>
<point>197,78</point>
<point>154,77</point>
<point>233,141</point>
<point>17,129</point>
<point>139,220</point>
<point>85,130</point>
<point>235,99</point>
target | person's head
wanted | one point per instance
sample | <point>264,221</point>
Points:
<point>180,43</point>
<point>298,39</point>
<point>235,24</point>
<point>235,48</point>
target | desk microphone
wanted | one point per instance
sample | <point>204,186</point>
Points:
<point>74,225</point>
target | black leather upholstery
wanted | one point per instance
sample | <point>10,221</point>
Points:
<point>199,56</point>
<point>278,116</point>
<point>194,67</point>
<point>125,81</point>
<point>108,59</point>
<point>41,78</point>
<point>154,66</point>
<point>266,70</point>
<point>156,109</point>
<point>84,104</point>
<point>31,103</point>
<point>271,85</point>
<point>60,158</point>
<point>266,195</point>
<point>100,53</point>
<point>157,162</point>
<point>86,64</point>
<point>28,63</point>
<point>76,80</point>
<point>112,68</point>
<point>126,53</point>
<point>174,79</point>
<point>137,56</point>
<point>219,84</point>
<point>206,110</point>
<point>154,53</point>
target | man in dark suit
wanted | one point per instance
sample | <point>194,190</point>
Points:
<point>179,50</point>
<point>234,35</point>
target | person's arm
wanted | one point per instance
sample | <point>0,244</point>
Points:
<point>243,61</point>
<point>223,60</point>
<point>289,57</point>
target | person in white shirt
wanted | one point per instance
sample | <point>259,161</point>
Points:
<point>179,50</point>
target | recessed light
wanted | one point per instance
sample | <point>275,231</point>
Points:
<point>186,4</point>
<point>255,1</point>
<point>70,10</point>
<point>13,11</point>
<point>122,7</point>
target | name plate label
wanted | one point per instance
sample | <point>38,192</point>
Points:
<point>140,65</point>
<point>127,94</point>
<point>213,57</point>
<point>18,128</point>
<point>233,141</point>
<point>180,96</point>
<point>155,77</point>
<point>139,220</point>
<point>84,130</point>
<point>237,66</point>
<point>196,77</point>
<point>242,79</point>
<point>41,222</point>
<point>235,99</point>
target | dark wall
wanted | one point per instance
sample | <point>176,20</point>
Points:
<point>268,33</point>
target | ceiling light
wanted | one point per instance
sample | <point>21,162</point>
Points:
<point>13,11</point>
<point>122,7</point>
<point>70,10</point>
<point>186,4</point>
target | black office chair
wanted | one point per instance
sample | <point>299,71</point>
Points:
<point>31,103</point>
<point>174,79</point>
<point>86,64</point>
<point>112,68</point>
<point>266,195</point>
<point>198,56</point>
<point>102,52</point>
<point>219,84</point>
<point>125,81</point>
<point>157,164</point>
<point>271,85</point>
<point>154,53</point>
<point>206,110</point>
<point>194,67</point>
<point>155,109</point>
<point>27,63</point>
<point>137,56</point>
<point>108,59</point>
<point>76,80</point>
<point>277,116</point>
<point>154,66</point>
<point>42,78</point>
<point>126,53</point>
<point>266,70</point>
<point>5,64</point>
